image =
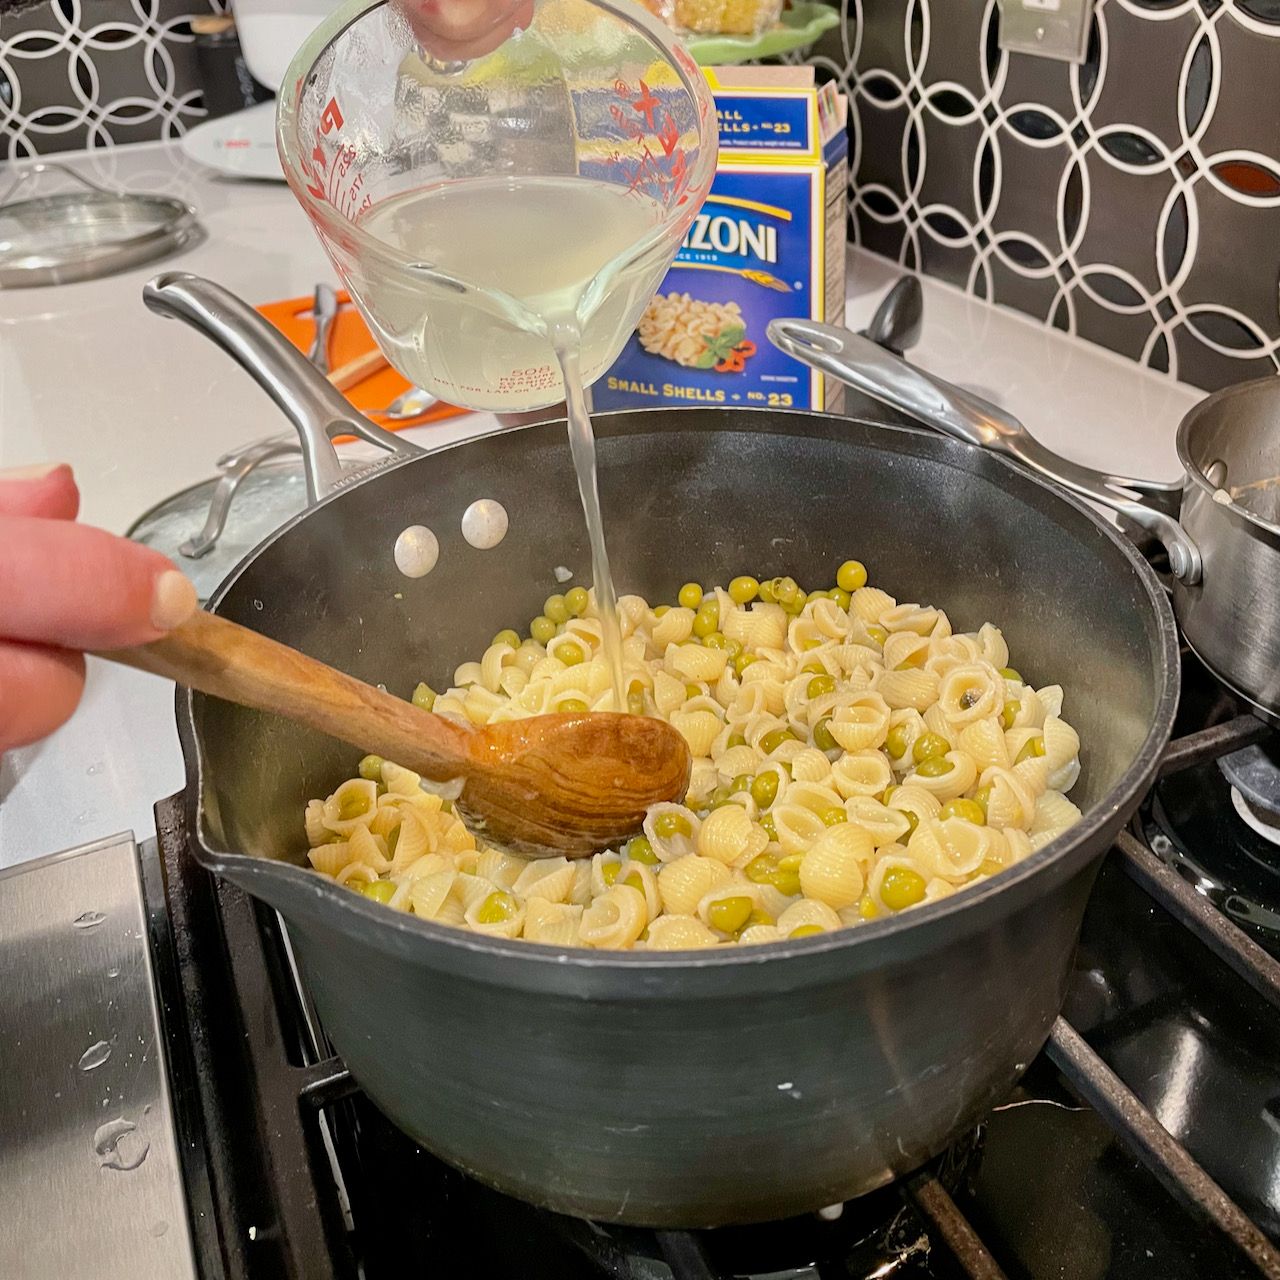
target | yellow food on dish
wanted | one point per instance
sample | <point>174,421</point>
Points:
<point>853,757</point>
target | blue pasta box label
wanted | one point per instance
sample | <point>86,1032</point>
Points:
<point>768,243</point>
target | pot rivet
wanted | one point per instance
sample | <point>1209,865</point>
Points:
<point>1178,561</point>
<point>484,523</point>
<point>417,550</point>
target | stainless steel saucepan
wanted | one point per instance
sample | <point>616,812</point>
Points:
<point>1220,526</point>
<point>705,1087</point>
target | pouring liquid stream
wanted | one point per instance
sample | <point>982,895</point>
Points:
<point>530,287</point>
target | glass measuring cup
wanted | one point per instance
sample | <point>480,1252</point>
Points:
<point>576,154</point>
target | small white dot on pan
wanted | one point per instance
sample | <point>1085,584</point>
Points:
<point>417,550</point>
<point>484,523</point>
<point>830,1212</point>
<point>562,574</point>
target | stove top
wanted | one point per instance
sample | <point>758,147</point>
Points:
<point>1144,1142</point>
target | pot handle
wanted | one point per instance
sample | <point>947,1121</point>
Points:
<point>317,410</point>
<point>885,377</point>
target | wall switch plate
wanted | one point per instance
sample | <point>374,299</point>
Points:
<point>1050,28</point>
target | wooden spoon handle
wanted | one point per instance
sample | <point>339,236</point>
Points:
<point>219,657</point>
<point>354,372</point>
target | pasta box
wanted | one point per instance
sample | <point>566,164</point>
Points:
<point>768,242</point>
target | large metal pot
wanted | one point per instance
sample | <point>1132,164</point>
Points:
<point>675,1089</point>
<point>1220,527</point>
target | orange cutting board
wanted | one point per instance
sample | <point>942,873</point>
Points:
<point>349,338</point>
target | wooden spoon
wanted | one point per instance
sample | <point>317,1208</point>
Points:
<point>546,786</point>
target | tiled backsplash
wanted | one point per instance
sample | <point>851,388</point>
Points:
<point>1134,200</point>
<point>90,73</point>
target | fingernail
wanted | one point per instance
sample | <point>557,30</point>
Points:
<point>37,471</point>
<point>173,600</point>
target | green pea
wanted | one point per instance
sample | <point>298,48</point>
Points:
<point>424,696</point>
<point>556,609</point>
<point>770,829</point>
<point>542,629</point>
<point>743,590</point>
<point>877,633</point>
<point>744,660</point>
<point>785,590</point>
<point>693,691</point>
<point>787,881</point>
<point>982,798</point>
<point>814,668</point>
<point>719,798</point>
<point>764,788</point>
<point>730,914</point>
<point>1031,748</point>
<point>760,916</point>
<point>934,767</point>
<point>497,908</point>
<point>609,871</point>
<point>841,597</point>
<point>666,825</point>
<point>353,806</point>
<point>806,931</point>
<point>1010,712</point>
<point>707,618</point>
<point>507,637</point>
<point>379,890</point>
<point>640,850</point>
<point>820,685</point>
<point>662,610</point>
<point>929,745</point>
<point>735,740</point>
<point>851,575</point>
<point>570,654</point>
<point>733,648</point>
<point>901,887</point>
<point>635,702</point>
<point>576,601</point>
<point>762,869</point>
<point>371,768</point>
<point>572,704</point>
<point>766,592</point>
<point>741,783</point>
<point>690,596</point>
<point>774,739</point>
<point>1010,674</point>
<point>969,810</point>
<point>822,738</point>
<point>715,640</point>
<point>832,815</point>
<point>896,740</point>
<point>886,793</point>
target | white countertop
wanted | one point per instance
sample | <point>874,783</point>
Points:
<point>155,404</point>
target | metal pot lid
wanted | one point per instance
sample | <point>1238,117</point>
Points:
<point>265,497</point>
<point>84,234</point>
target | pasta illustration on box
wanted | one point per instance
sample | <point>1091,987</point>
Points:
<point>696,334</point>
<point>767,243</point>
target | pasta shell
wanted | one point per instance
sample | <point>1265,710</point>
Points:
<point>674,627</point>
<point>549,879</point>
<point>861,723</point>
<point>807,912</point>
<point>810,765</point>
<point>763,626</point>
<point>969,694</point>
<point>870,604</point>
<point>831,871</point>
<point>983,742</point>
<point>946,786</point>
<point>728,835</point>
<point>1061,742</point>
<point>1010,804</point>
<point>368,848</point>
<point>313,821</point>
<point>994,649</point>
<point>614,920</point>
<point>553,923</point>
<point>330,858</point>
<point>683,884</point>
<point>509,927</point>
<point>1054,813</point>
<point>911,688</point>
<point>757,934</point>
<point>883,824</point>
<point>356,798</point>
<point>679,933</point>
<point>861,773</point>
<point>428,895</point>
<point>698,728</point>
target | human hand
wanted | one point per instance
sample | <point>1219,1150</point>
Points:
<point>67,588</point>
<point>458,30</point>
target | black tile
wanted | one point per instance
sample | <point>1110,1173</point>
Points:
<point>1246,115</point>
<point>956,44</point>
<point>1029,180</point>
<point>1035,297</point>
<point>1202,366</point>
<point>1096,322</point>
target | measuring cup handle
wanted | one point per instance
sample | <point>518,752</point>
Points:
<point>967,417</point>
<point>317,410</point>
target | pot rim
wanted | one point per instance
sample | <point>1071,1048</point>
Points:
<point>1188,425</point>
<point>1136,778</point>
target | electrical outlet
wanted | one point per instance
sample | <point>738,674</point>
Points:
<point>1050,28</point>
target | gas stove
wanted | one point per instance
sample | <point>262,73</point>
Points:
<point>1145,1140</point>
